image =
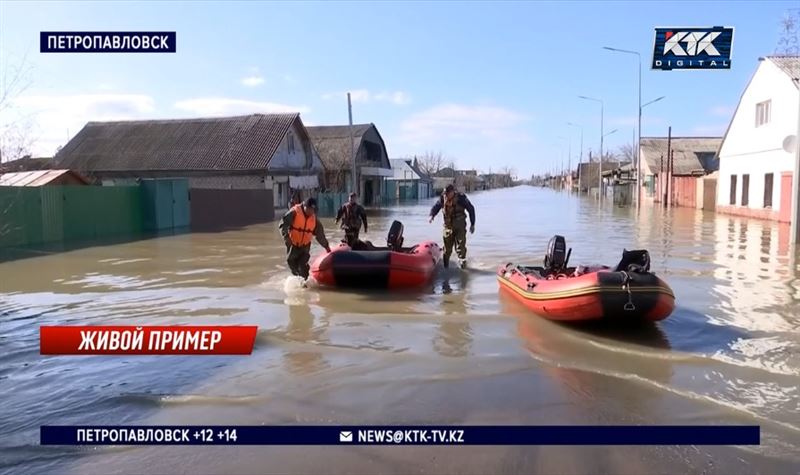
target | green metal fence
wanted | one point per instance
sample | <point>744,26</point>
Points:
<point>39,215</point>
<point>329,203</point>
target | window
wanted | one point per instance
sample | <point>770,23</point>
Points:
<point>745,190</point>
<point>768,177</point>
<point>291,143</point>
<point>763,112</point>
<point>733,189</point>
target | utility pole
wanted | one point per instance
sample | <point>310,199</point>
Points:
<point>668,176</point>
<point>352,147</point>
<point>795,227</point>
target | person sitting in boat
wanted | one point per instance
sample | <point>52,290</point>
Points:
<point>352,214</point>
<point>394,241</point>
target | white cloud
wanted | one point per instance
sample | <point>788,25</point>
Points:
<point>363,95</point>
<point>464,122</point>
<point>252,81</point>
<point>712,130</point>
<point>722,111</point>
<point>222,106</point>
<point>54,119</point>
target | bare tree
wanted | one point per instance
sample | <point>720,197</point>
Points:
<point>432,162</point>
<point>627,152</point>
<point>15,135</point>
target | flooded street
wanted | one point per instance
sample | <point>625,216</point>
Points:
<point>458,352</point>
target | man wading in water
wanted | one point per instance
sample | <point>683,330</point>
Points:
<point>352,215</point>
<point>454,206</point>
<point>297,227</point>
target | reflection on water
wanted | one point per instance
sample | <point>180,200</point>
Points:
<point>455,351</point>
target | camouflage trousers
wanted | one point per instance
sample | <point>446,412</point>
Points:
<point>456,236</point>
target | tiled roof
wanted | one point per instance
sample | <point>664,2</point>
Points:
<point>333,143</point>
<point>685,158</point>
<point>226,143</point>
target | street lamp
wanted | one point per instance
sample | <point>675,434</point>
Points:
<point>600,173</point>
<point>639,127</point>
<point>561,154</point>
<point>654,100</point>
<point>580,155</point>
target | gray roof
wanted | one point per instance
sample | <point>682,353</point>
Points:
<point>410,163</point>
<point>685,156</point>
<point>789,65</point>
<point>333,143</point>
<point>226,143</point>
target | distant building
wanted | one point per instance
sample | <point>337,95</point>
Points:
<point>257,151</point>
<point>442,178</point>
<point>25,164</point>
<point>408,182</point>
<point>692,158</point>
<point>333,144</point>
<point>756,157</point>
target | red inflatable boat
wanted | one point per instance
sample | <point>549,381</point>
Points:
<point>371,267</point>
<point>557,292</point>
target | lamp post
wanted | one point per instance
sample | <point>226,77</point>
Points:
<point>561,149</point>
<point>606,135</point>
<point>639,127</point>
<point>580,156</point>
<point>600,173</point>
<point>640,138</point>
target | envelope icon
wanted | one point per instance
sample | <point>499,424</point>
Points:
<point>346,436</point>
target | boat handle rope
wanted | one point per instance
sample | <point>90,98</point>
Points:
<point>629,306</point>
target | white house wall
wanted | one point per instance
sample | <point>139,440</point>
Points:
<point>298,159</point>
<point>752,150</point>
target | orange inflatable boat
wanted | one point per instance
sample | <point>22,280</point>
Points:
<point>557,292</point>
<point>371,267</point>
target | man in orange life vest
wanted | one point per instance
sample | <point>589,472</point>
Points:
<point>352,215</point>
<point>454,206</point>
<point>298,226</point>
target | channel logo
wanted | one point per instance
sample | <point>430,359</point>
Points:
<point>693,48</point>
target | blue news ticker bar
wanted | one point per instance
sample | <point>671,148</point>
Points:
<point>107,42</point>
<point>400,435</point>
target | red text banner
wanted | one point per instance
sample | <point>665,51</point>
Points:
<point>147,340</point>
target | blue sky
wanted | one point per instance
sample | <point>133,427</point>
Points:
<point>489,84</point>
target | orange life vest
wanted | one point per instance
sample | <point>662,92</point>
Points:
<point>302,228</point>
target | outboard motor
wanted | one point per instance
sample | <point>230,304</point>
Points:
<point>394,240</point>
<point>557,255</point>
<point>637,260</point>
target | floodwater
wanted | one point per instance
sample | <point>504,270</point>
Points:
<point>458,352</point>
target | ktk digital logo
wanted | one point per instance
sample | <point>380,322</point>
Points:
<point>693,48</point>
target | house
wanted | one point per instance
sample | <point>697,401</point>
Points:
<point>335,149</point>
<point>676,181</point>
<point>25,164</point>
<point>442,178</point>
<point>250,152</point>
<point>408,182</point>
<point>589,175</point>
<point>497,180</point>
<point>756,156</point>
<point>43,178</point>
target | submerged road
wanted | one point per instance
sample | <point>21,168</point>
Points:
<point>458,352</point>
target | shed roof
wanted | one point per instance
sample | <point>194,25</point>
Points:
<point>224,143</point>
<point>36,177</point>
<point>685,156</point>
